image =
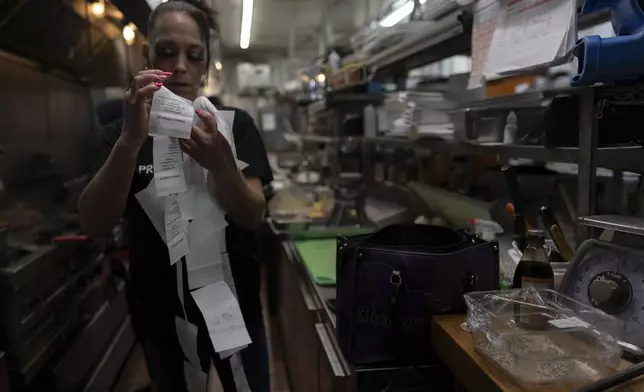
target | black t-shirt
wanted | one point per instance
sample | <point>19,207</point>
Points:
<point>153,278</point>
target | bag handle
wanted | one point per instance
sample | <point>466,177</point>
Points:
<point>416,236</point>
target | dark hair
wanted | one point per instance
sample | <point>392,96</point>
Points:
<point>202,13</point>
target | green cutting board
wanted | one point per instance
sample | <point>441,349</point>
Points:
<point>319,258</point>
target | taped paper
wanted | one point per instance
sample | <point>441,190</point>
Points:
<point>170,115</point>
<point>206,275</point>
<point>223,317</point>
<point>187,334</point>
<point>206,228</point>
<point>175,230</point>
<point>195,180</point>
<point>239,375</point>
<point>228,274</point>
<point>154,207</point>
<point>197,202</point>
<point>227,353</point>
<point>225,120</point>
<point>196,380</point>
<point>168,166</point>
<point>180,289</point>
<point>221,238</point>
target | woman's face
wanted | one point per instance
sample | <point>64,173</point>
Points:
<point>177,47</point>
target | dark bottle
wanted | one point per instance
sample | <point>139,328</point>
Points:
<point>534,269</point>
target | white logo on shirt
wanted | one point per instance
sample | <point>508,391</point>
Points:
<point>146,169</point>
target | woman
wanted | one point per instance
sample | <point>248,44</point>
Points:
<point>178,58</point>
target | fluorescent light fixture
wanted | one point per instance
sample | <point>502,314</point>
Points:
<point>246,23</point>
<point>399,14</point>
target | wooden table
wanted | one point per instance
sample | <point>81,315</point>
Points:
<point>455,347</point>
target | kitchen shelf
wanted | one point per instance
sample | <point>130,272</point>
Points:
<point>447,37</point>
<point>623,224</point>
<point>628,158</point>
<point>329,139</point>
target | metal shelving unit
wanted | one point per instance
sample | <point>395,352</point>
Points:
<point>447,37</point>
<point>452,36</point>
<point>616,158</point>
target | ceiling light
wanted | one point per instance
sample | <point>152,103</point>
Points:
<point>321,78</point>
<point>218,66</point>
<point>129,34</point>
<point>397,15</point>
<point>97,8</point>
<point>246,23</point>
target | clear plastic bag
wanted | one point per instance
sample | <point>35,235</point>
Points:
<point>541,336</point>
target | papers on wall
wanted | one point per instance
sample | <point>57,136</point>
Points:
<point>168,166</point>
<point>223,317</point>
<point>486,16</point>
<point>532,34</point>
<point>170,115</point>
<point>175,230</point>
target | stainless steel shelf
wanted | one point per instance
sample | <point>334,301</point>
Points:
<point>447,37</point>
<point>623,224</point>
<point>329,139</point>
<point>628,158</point>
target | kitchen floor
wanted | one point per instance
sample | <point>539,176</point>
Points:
<point>134,376</point>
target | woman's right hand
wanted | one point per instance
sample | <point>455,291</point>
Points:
<point>137,105</point>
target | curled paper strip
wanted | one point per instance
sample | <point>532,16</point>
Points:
<point>170,115</point>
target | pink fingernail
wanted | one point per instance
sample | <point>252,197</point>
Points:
<point>197,111</point>
<point>158,84</point>
<point>167,73</point>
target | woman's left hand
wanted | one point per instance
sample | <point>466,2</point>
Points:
<point>208,147</point>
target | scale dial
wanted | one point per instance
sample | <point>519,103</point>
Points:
<point>610,278</point>
<point>611,292</point>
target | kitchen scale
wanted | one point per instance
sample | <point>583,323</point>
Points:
<point>608,274</point>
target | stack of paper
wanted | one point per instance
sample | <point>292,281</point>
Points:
<point>193,225</point>
<point>532,34</point>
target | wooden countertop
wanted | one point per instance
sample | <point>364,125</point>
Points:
<point>455,347</point>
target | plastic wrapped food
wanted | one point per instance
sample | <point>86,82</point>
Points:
<point>541,336</point>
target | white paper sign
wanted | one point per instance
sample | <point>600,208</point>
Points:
<point>168,166</point>
<point>154,207</point>
<point>486,16</point>
<point>532,34</point>
<point>175,230</point>
<point>223,317</point>
<point>170,115</point>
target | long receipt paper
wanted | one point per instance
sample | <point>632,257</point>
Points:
<point>223,317</point>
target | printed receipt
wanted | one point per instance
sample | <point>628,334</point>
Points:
<point>223,317</point>
<point>175,230</point>
<point>168,166</point>
<point>170,115</point>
